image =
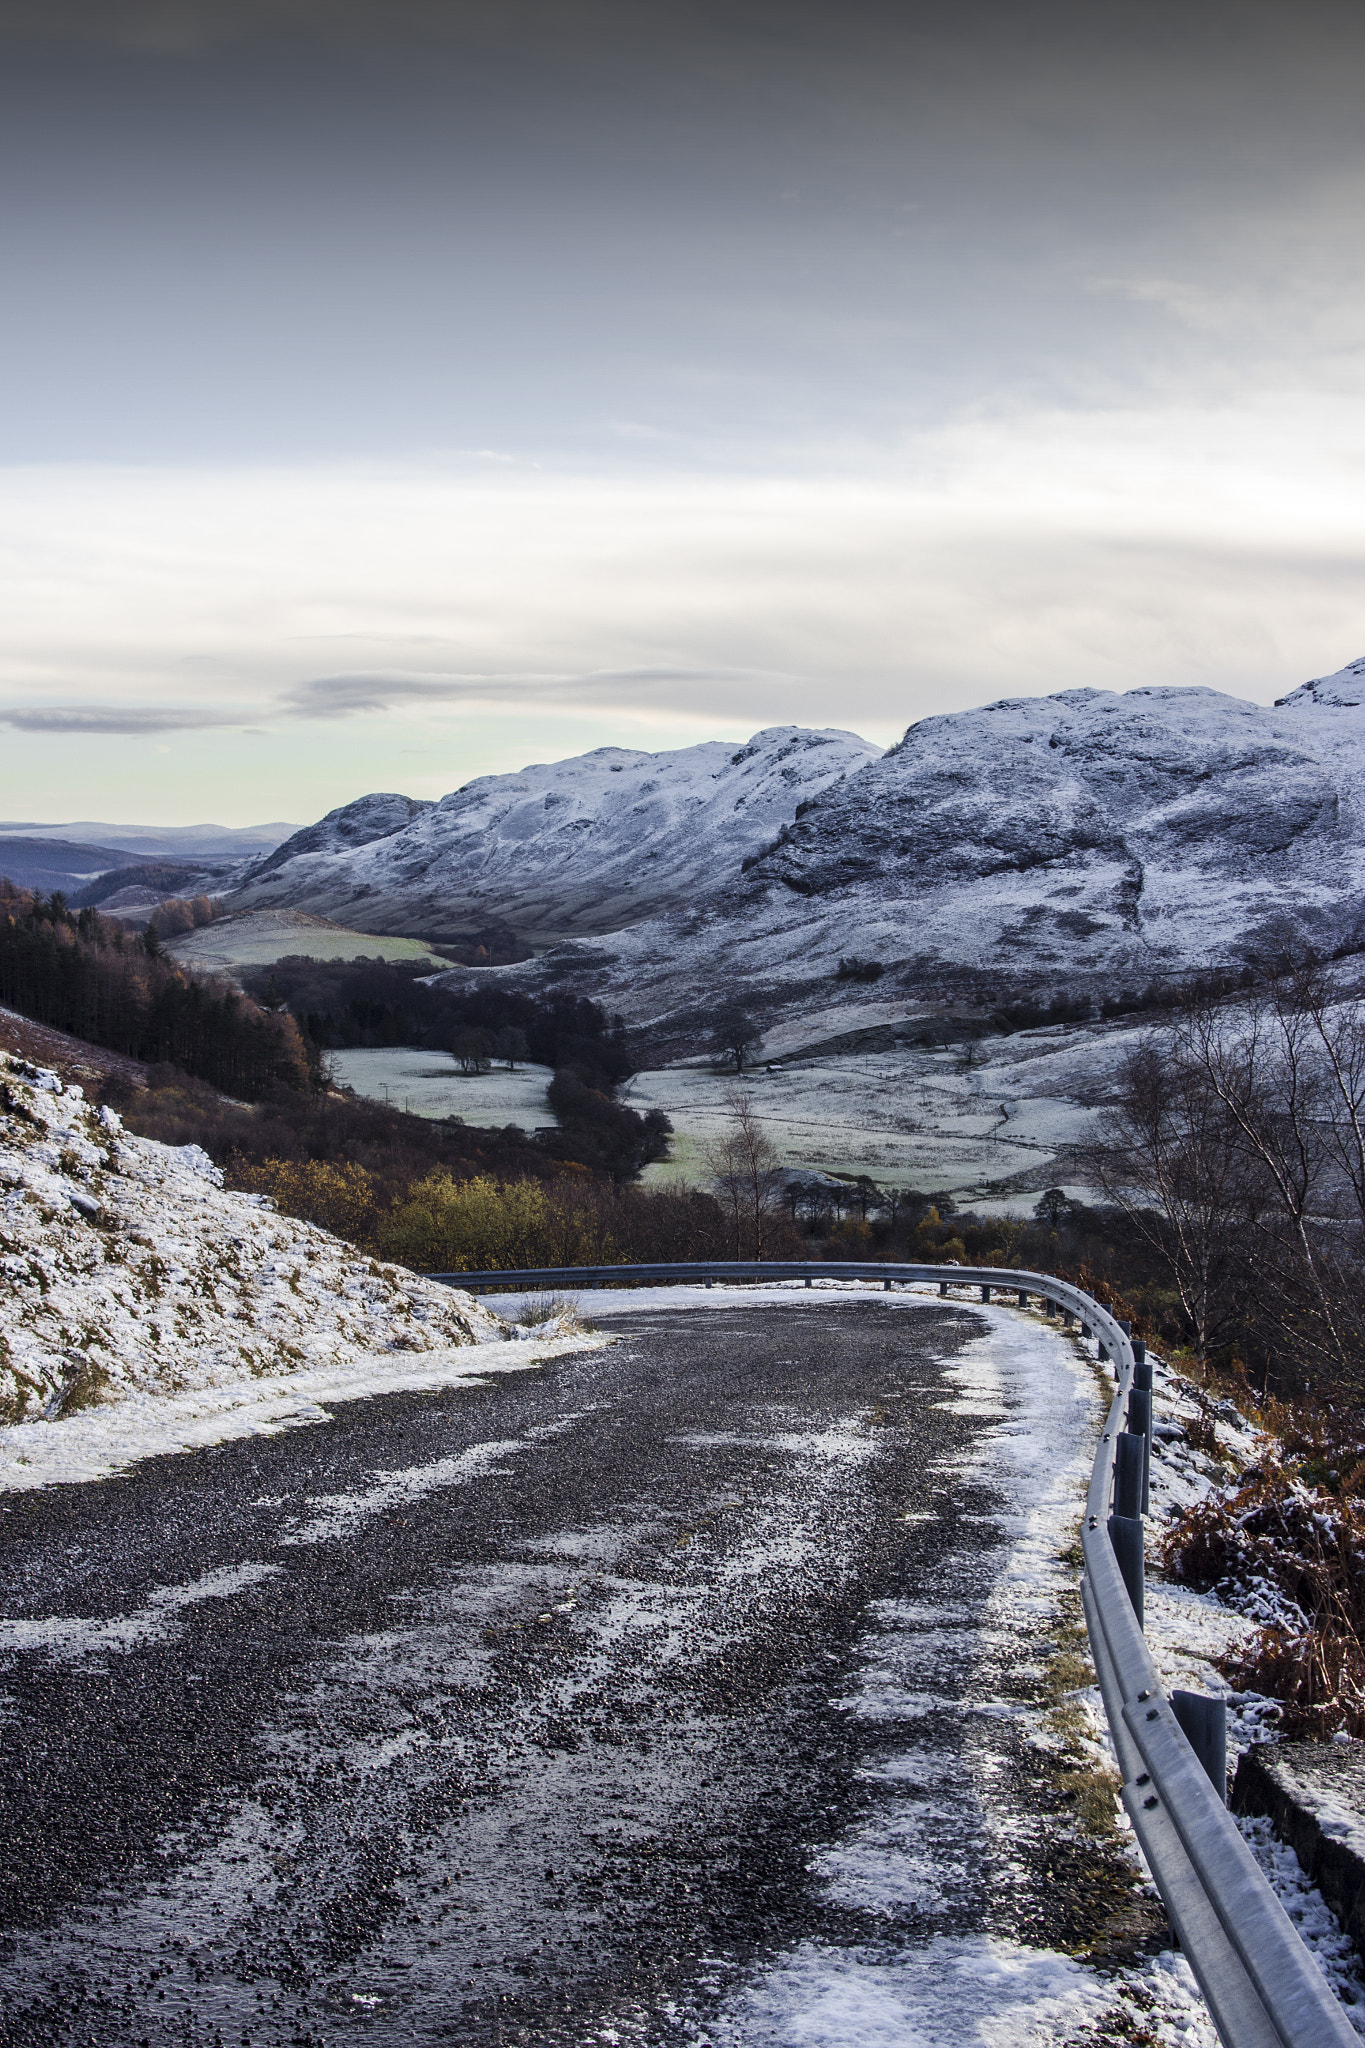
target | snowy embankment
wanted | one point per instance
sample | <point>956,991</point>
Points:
<point>146,1308</point>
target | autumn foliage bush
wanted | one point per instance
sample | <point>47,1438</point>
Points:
<point>1294,1553</point>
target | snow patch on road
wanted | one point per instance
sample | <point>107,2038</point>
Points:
<point>951,1993</point>
<point>69,1638</point>
<point>339,1515</point>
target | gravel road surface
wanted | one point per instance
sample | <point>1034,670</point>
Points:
<point>514,1713</point>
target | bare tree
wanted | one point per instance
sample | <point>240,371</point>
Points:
<point>734,1035</point>
<point>1287,1062</point>
<point>746,1174</point>
<point>512,1046</point>
<point>1171,1157</point>
<point>473,1048</point>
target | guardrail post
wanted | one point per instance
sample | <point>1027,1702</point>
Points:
<point>985,1291</point>
<point>943,1286</point>
<point>808,1280</point>
<point>886,1287</point>
<point>1125,1533</point>
<point>1204,1723</point>
<point>706,1283</point>
<point>1140,1422</point>
<point>1066,1318</point>
<point>1140,1359</point>
<point>1085,1327</point>
<point>1022,1293</point>
<point>1128,1476</point>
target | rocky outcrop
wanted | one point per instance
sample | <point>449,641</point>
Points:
<point>360,823</point>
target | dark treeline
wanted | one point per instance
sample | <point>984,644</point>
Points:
<point>342,1003</point>
<point>367,1002</point>
<point>85,974</point>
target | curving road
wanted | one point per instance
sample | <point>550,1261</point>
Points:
<point>521,1712</point>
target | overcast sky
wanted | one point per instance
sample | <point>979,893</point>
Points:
<point>399,390</point>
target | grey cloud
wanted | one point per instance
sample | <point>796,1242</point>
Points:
<point>126,718</point>
<point>342,696</point>
<point>345,696</point>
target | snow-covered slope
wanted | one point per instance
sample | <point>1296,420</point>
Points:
<point>580,846</point>
<point>1061,844</point>
<point>125,1266</point>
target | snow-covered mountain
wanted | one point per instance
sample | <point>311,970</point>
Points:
<point>574,847</point>
<point>1063,845</point>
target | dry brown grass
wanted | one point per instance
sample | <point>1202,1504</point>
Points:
<point>1278,1540</point>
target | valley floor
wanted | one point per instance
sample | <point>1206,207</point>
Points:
<point>992,1122</point>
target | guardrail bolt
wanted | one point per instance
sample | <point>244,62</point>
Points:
<point>1128,1476</point>
<point>1125,1533</point>
<point>1204,1723</point>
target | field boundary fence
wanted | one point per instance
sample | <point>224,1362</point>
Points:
<point>1261,1984</point>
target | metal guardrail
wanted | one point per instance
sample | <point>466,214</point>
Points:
<point>1262,1987</point>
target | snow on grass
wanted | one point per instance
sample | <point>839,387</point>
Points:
<point>431,1084</point>
<point>928,1119</point>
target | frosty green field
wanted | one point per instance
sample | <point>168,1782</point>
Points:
<point>995,1123</point>
<point>430,1084</point>
<point>256,938</point>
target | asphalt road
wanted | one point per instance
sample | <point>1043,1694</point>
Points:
<point>510,1713</point>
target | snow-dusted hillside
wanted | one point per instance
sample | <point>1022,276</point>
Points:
<point>1060,844</point>
<point>125,1266</point>
<point>580,846</point>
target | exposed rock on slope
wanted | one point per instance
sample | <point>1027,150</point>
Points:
<point>580,846</point>
<point>125,1265</point>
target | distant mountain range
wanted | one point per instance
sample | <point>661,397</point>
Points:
<point>164,859</point>
<point>1060,844</point>
<point>153,842</point>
